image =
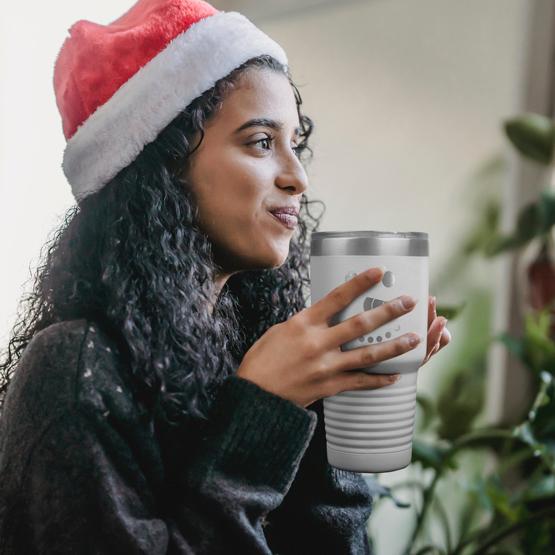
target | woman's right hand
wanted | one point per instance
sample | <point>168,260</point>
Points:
<point>301,359</point>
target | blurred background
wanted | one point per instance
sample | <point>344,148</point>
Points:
<point>430,115</point>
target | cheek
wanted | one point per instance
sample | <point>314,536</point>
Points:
<point>233,194</point>
<point>233,218</point>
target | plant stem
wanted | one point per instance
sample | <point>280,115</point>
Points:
<point>515,458</point>
<point>443,515</point>
<point>427,497</point>
<point>490,433</point>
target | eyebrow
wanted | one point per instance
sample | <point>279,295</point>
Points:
<point>264,122</point>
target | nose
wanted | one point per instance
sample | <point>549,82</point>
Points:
<point>292,175</point>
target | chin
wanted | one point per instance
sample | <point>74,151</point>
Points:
<point>264,257</point>
<point>275,261</point>
<point>281,257</point>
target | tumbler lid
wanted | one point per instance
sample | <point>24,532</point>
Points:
<point>369,242</point>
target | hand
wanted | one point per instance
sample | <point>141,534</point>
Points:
<point>301,359</point>
<point>438,334</point>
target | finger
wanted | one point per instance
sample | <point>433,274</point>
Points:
<point>426,359</point>
<point>365,380</point>
<point>432,315</point>
<point>365,322</point>
<point>364,357</point>
<point>445,338</point>
<point>434,332</point>
<point>343,295</point>
<point>431,310</point>
<point>432,352</point>
<point>431,340</point>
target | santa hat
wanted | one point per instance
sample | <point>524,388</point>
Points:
<point>118,85</point>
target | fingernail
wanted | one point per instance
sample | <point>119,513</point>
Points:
<point>444,323</point>
<point>393,377</point>
<point>407,301</point>
<point>413,339</point>
<point>373,272</point>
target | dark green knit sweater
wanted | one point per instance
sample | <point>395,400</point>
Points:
<point>83,471</point>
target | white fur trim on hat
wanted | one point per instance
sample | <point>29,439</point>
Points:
<point>112,136</point>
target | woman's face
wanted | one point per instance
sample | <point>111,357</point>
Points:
<point>238,175</point>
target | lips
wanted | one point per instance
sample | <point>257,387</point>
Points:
<point>285,218</point>
<point>285,210</point>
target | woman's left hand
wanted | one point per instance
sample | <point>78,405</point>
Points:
<point>438,334</point>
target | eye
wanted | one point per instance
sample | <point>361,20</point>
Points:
<point>298,149</point>
<point>265,139</point>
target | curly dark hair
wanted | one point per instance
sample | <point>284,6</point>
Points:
<point>132,258</point>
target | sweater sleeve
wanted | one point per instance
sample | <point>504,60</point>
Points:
<point>326,509</point>
<point>88,494</point>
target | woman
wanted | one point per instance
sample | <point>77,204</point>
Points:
<point>152,406</point>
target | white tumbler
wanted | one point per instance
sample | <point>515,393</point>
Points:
<point>372,430</point>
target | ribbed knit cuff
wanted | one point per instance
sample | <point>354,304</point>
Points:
<point>262,436</point>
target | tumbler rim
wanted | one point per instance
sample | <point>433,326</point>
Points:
<point>373,233</point>
<point>369,243</point>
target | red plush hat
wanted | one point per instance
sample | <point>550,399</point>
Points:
<point>118,85</point>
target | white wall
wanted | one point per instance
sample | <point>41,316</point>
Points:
<point>34,193</point>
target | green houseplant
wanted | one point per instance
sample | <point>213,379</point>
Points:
<point>500,514</point>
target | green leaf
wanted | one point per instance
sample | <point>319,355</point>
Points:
<point>542,417</point>
<point>542,488</point>
<point>430,456</point>
<point>502,243</point>
<point>459,402</point>
<point>539,349</point>
<point>546,451</point>
<point>478,493</point>
<point>537,537</point>
<point>506,551</point>
<point>534,349</point>
<point>430,549</point>
<point>501,500</point>
<point>533,135</point>
<point>529,223</point>
<point>542,397</point>
<point>547,209</point>
<point>534,220</point>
